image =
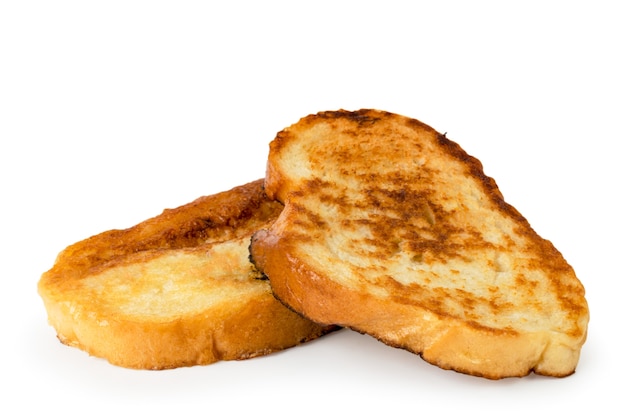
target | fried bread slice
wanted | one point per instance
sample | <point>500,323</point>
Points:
<point>175,290</point>
<point>393,230</point>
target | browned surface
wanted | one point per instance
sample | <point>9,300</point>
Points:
<point>175,290</point>
<point>393,230</point>
<point>218,217</point>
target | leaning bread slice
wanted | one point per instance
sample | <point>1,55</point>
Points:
<point>175,290</point>
<point>391,229</point>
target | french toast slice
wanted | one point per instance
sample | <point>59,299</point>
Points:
<point>175,290</point>
<point>393,230</point>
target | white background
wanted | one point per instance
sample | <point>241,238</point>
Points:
<point>112,111</point>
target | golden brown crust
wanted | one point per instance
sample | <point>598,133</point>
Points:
<point>222,216</point>
<point>175,290</point>
<point>393,230</point>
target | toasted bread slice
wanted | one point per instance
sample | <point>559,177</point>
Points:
<point>391,229</point>
<point>175,290</point>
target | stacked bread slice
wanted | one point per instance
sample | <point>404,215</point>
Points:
<point>175,290</point>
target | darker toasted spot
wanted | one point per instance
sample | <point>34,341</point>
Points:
<point>325,192</point>
<point>361,117</point>
<point>495,331</point>
<point>313,218</point>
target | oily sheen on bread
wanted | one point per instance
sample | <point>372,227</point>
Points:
<point>393,230</point>
<point>175,290</point>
